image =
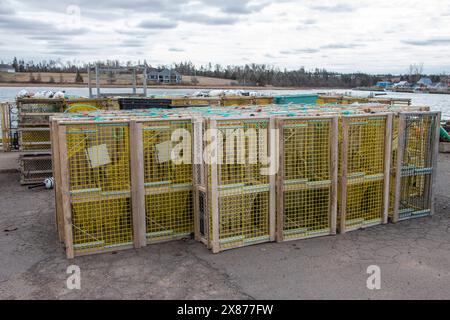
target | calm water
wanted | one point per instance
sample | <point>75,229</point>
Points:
<point>437,102</point>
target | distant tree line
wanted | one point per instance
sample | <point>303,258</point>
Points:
<point>263,75</point>
<point>246,75</point>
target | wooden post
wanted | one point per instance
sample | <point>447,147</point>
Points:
<point>97,80</point>
<point>5,139</point>
<point>344,170</point>
<point>57,178</point>
<point>145,82</point>
<point>214,189</point>
<point>137,185</point>
<point>134,80</point>
<point>89,81</point>
<point>435,154</point>
<point>387,166</point>
<point>334,141</point>
<point>280,183</point>
<point>65,191</point>
<point>399,165</point>
<point>197,172</point>
<point>272,178</point>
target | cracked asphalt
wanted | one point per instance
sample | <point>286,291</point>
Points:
<point>414,257</point>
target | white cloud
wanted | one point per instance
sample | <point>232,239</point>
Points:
<point>382,36</point>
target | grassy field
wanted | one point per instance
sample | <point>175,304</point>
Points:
<point>51,78</point>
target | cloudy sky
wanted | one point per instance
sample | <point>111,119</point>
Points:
<point>369,36</point>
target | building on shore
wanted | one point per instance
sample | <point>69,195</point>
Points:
<point>402,84</point>
<point>425,82</point>
<point>7,68</point>
<point>446,81</point>
<point>165,76</point>
<point>384,84</point>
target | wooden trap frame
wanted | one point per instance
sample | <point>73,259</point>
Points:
<point>365,158</point>
<point>307,177</point>
<point>235,203</point>
<point>109,189</point>
<point>414,164</point>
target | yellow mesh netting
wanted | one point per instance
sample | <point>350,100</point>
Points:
<point>169,199</point>
<point>99,170</point>
<point>307,178</point>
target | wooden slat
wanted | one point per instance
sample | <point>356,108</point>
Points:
<point>344,169</point>
<point>280,183</point>
<point>435,154</point>
<point>334,141</point>
<point>57,178</point>
<point>65,188</point>
<point>272,178</point>
<point>196,171</point>
<point>137,184</point>
<point>214,191</point>
<point>399,164</point>
<point>387,167</point>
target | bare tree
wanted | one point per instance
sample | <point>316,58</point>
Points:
<point>194,80</point>
<point>415,72</point>
<point>78,77</point>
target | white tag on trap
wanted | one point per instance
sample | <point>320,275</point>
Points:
<point>98,156</point>
<point>164,151</point>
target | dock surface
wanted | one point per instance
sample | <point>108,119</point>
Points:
<point>414,257</point>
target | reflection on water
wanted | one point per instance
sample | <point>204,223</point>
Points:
<point>437,102</point>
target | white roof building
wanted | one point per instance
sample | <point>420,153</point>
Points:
<point>7,68</point>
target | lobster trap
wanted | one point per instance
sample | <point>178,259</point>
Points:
<point>34,114</point>
<point>167,178</point>
<point>364,171</point>
<point>414,158</point>
<point>33,131</point>
<point>119,185</point>
<point>307,177</point>
<point>34,139</point>
<point>235,195</point>
<point>33,106</point>
<point>228,101</point>
<point>35,168</point>
<point>4,126</point>
<point>94,208</point>
<point>9,124</point>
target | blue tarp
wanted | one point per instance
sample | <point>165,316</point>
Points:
<point>297,99</point>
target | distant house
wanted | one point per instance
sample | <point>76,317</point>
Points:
<point>384,84</point>
<point>7,68</point>
<point>164,76</point>
<point>446,80</point>
<point>402,84</point>
<point>425,82</point>
<point>440,85</point>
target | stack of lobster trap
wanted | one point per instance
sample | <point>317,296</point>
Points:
<point>34,138</point>
<point>34,141</point>
<point>238,177</point>
<point>7,124</point>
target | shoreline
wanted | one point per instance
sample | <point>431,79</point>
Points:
<point>77,85</point>
<point>406,92</point>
